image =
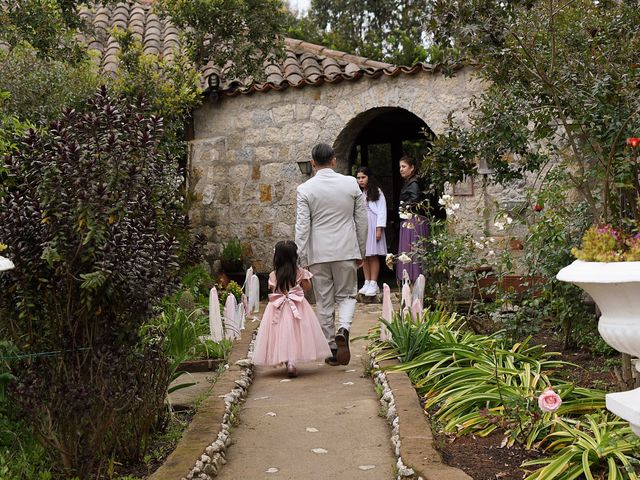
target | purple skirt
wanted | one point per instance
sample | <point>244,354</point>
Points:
<point>410,232</point>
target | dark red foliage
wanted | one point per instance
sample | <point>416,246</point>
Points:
<point>90,212</point>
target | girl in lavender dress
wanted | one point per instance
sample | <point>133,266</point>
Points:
<point>289,330</point>
<point>413,226</point>
<point>376,241</point>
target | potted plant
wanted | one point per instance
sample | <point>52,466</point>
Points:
<point>608,269</point>
<point>232,257</point>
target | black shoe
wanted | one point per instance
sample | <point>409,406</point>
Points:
<point>332,360</point>
<point>343,355</point>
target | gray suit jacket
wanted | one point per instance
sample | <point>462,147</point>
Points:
<point>331,219</point>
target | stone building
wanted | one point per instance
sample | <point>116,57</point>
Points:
<point>249,138</point>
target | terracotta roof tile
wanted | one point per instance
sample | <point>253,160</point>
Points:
<point>304,63</point>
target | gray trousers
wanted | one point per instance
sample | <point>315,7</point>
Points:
<point>334,283</point>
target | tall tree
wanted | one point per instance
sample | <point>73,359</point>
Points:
<point>563,91</point>
<point>234,32</point>
<point>388,30</point>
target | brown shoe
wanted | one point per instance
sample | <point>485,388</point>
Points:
<point>332,360</point>
<point>292,372</point>
<point>343,354</point>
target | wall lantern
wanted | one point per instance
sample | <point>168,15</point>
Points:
<point>214,82</point>
<point>214,87</point>
<point>305,167</point>
<point>5,264</point>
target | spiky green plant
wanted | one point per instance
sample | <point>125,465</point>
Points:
<point>478,383</point>
<point>596,447</point>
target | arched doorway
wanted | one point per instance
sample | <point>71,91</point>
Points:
<point>378,138</point>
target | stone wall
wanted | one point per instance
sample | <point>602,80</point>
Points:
<point>477,213</point>
<point>243,170</point>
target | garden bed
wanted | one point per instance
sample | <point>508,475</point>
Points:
<point>160,447</point>
<point>484,458</point>
<point>482,392</point>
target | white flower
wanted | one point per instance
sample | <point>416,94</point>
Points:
<point>479,246</point>
<point>499,225</point>
<point>434,241</point>
<point>482,239</point>
<point>491,253</point>
<point>508,219</point>
<point>455,206</point>
<point>445,199</point>
<point>404,258</point>
<point>450,212</point>
<point>389,260</point>
<point>492,240</point>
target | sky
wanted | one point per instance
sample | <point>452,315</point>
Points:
<point>299,5</point>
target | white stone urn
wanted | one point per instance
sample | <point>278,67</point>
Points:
<point>615,287</point>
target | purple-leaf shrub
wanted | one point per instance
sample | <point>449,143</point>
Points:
<point>89,212</point>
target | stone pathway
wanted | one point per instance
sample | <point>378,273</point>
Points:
<point>323,425</point>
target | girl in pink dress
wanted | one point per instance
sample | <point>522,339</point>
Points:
<point>289,331</point>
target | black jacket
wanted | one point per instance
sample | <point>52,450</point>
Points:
<point>410,193</point>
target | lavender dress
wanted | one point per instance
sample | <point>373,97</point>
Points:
<point>377,216</point>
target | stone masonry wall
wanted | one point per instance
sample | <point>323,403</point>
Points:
<point>243,170</point>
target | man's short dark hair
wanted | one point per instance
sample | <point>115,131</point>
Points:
<point>322,154</point>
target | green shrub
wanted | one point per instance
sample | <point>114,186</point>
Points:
<point>198,280</point>
<point>208,349</point>
<point>21,455</point>
<point>232,256</point>
<point>232,288</point>
<point>40,94</point>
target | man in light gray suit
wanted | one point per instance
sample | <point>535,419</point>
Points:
<point>331,234</point>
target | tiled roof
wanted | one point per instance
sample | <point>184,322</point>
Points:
<point>303,64</point>
<point>158,36</point>
<point>308,64</point>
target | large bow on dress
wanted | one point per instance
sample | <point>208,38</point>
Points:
<point>292,297</point>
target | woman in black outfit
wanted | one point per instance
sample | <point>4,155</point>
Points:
<point>413,226</point>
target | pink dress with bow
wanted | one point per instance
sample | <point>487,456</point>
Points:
<point>289,329</point>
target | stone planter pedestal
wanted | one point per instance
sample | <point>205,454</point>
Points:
<point>615,287</point>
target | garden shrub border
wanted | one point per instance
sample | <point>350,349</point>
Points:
<point>413,444</point>
<point>201,451</point>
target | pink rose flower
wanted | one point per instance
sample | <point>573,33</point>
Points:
<point>549,401</point>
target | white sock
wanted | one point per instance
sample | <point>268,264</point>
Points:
<point>346,309</point>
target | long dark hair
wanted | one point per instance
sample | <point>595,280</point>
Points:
<point>373,191</point>
<point>285,264</point>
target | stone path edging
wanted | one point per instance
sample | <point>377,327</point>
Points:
<point>411,434</point>
<point>200,453</point>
